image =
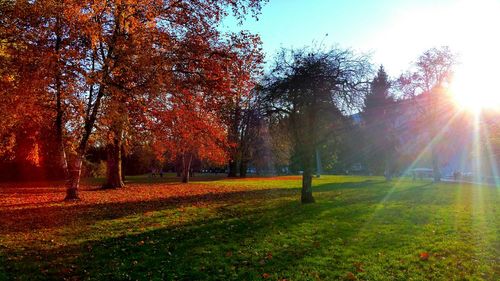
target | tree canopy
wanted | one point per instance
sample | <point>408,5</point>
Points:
<point>109,65</point>
<point>312,88</point>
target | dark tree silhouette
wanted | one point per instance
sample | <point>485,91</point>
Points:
<point>377,121</point>
<point>312,88</point>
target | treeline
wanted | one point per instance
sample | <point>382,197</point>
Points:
<point>104,87</point>
<point>333,113</point>
<point>116,74</point>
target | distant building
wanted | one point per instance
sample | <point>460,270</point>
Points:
<point>456,141</point>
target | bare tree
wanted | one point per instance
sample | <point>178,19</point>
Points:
<point>313,88</point>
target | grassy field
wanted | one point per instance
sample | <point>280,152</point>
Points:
<point>361,228</point>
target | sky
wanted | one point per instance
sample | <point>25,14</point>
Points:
<point>394,32</point>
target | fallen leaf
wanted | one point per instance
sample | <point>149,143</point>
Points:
<point>359,267</point>
<point>424,256</point>
<point>350,276</point>
<point>269,256</point>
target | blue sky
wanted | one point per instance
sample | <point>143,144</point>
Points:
<point>395,32</point>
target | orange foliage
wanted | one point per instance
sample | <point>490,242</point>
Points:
<point>148,65</point>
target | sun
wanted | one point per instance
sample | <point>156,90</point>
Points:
<point>474,86</point>
<point>476,91</point>
<point>470,29</point>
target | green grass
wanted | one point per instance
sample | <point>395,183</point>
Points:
<point>360,228</point>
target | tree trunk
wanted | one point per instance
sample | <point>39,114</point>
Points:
<point>73,182</point>
<point>319,166</point>
<point>233,166</point>
<point>122,150</point>
<point>114,178</point>
<point>436,173</point>
<point>186,166</point>
<point>388,165</point>
<point>388,173</point>
<point>306,195</point>
<point>233,137</point>
<point>123,173</point>
<point>435,137</point>
<point>309,150</point>
<point>75,171</point>
<point>92,110</point>
<point>243,169</point>
<point>62,164</point>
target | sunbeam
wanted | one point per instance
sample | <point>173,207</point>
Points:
<point>433,141</point>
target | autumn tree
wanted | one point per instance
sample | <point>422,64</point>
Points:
<point>252,137</point>
<point>192,121</point>
<point>245,122</point>
<point>425,85</point>
<point>312,88</point>
<point>190,135</point>
<point>42,55</point>
<point>108,56</point>
<point>201,60</point>
<point>242,110</point>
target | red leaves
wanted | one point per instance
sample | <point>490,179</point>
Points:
<point>132,63</point>
<point>188,127</point>
<point>268,257</point>
<point>30,207</point>
<point>424,256</point>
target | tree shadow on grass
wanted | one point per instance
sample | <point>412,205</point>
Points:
<point>280,237</point>
<point>230,246</point>
<point>92,184</point>
<point>31,219</point>
<point>36,218</point>
<point>346,185</point>
<point>146,179</point>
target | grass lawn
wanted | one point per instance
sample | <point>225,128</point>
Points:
<point>360,228</point>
